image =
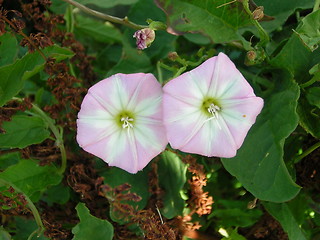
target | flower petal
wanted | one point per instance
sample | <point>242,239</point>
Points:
<point>192,86</point>
<point>179,119</point>
<point>240,115</point>
<point>212,139</point>
<point>227,81</point>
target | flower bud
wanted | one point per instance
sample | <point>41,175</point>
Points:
<point>144,37</point>
<point>258,13</point>
<point>173,56</point>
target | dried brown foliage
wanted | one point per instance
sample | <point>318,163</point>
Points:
<point>199,200</point>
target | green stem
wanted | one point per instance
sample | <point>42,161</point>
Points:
<point>124,21</point>
<point>31,206</point>
<point>57,132</point>
<point>307,152</point>
<point>264,37</point>
<point>181,70</point>
<point>309,83</point>
<point>160,77</point>
<point>58,135</point>
<point>316,5</point>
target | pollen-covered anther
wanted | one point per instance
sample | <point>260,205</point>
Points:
<point>127,122</point>
<point>214,109</point>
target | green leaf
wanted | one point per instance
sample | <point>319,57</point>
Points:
<point>172,177</point>
<point>313,96</point>
<point>296,55</point>
<point>220,24</point>
<point>139,183</point>
<point>164,42</point>
<point>235,214</point>
<point>31,178</point>
<point>59,194</point>
<point>309,117</point>
<point>4,235</point>
<point>9,159</point>
<point>24,227</point>
<point>281,10</point>
<point>14,75</point>
<point>260,167</point>
<point>233,235</point>
<point>8,48</point>
<point>283,214</point>
<point>100,31</point>
<point>107,4</point>
<point>308,32</point>
<point>91,226</point>
<point>132,61</point>
<point>23,131</point>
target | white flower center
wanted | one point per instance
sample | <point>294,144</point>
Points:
<point>127,122</point>
<point>214,110</point>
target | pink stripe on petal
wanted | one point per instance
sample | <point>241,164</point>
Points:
<point>91,108</point>
<point>90,131</point>
<point>187,86</point>
<point>240,115</point>
<point>227,81</point>
<point>212,139</point>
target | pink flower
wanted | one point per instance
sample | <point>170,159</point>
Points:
<point>210,109</point>
<point>120,121</point>
<point>144,37</point>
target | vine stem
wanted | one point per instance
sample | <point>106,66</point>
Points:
<point>307,152</point>
<point>124,21</point>
<point>316,5</point>
<point>58,135</point>
<point>264,37</point>
<point>31,206</point>
<point>57,132</point>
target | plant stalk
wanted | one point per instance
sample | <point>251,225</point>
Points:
<point>316,5</point>
<point>124,21</point>
<point>307,152</point>
<point>31,206</point>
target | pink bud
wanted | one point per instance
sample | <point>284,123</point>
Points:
<point>144,38</point>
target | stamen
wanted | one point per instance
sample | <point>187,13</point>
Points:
<point>214,109</point>
<point>127,122</point>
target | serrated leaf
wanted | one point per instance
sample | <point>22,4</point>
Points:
<point>14,75</point>
<point>283,214</point>
<point>259,164</point>
<point>220,24</point>
<point>23,131</point>
<point>31,178</point>
<point>172,177</point>
<point>8,48</point>
<point>91,226</point>
<point>100,31</point>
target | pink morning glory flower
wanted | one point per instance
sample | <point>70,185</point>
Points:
<point>120,121</point>
<point>209,110</point>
